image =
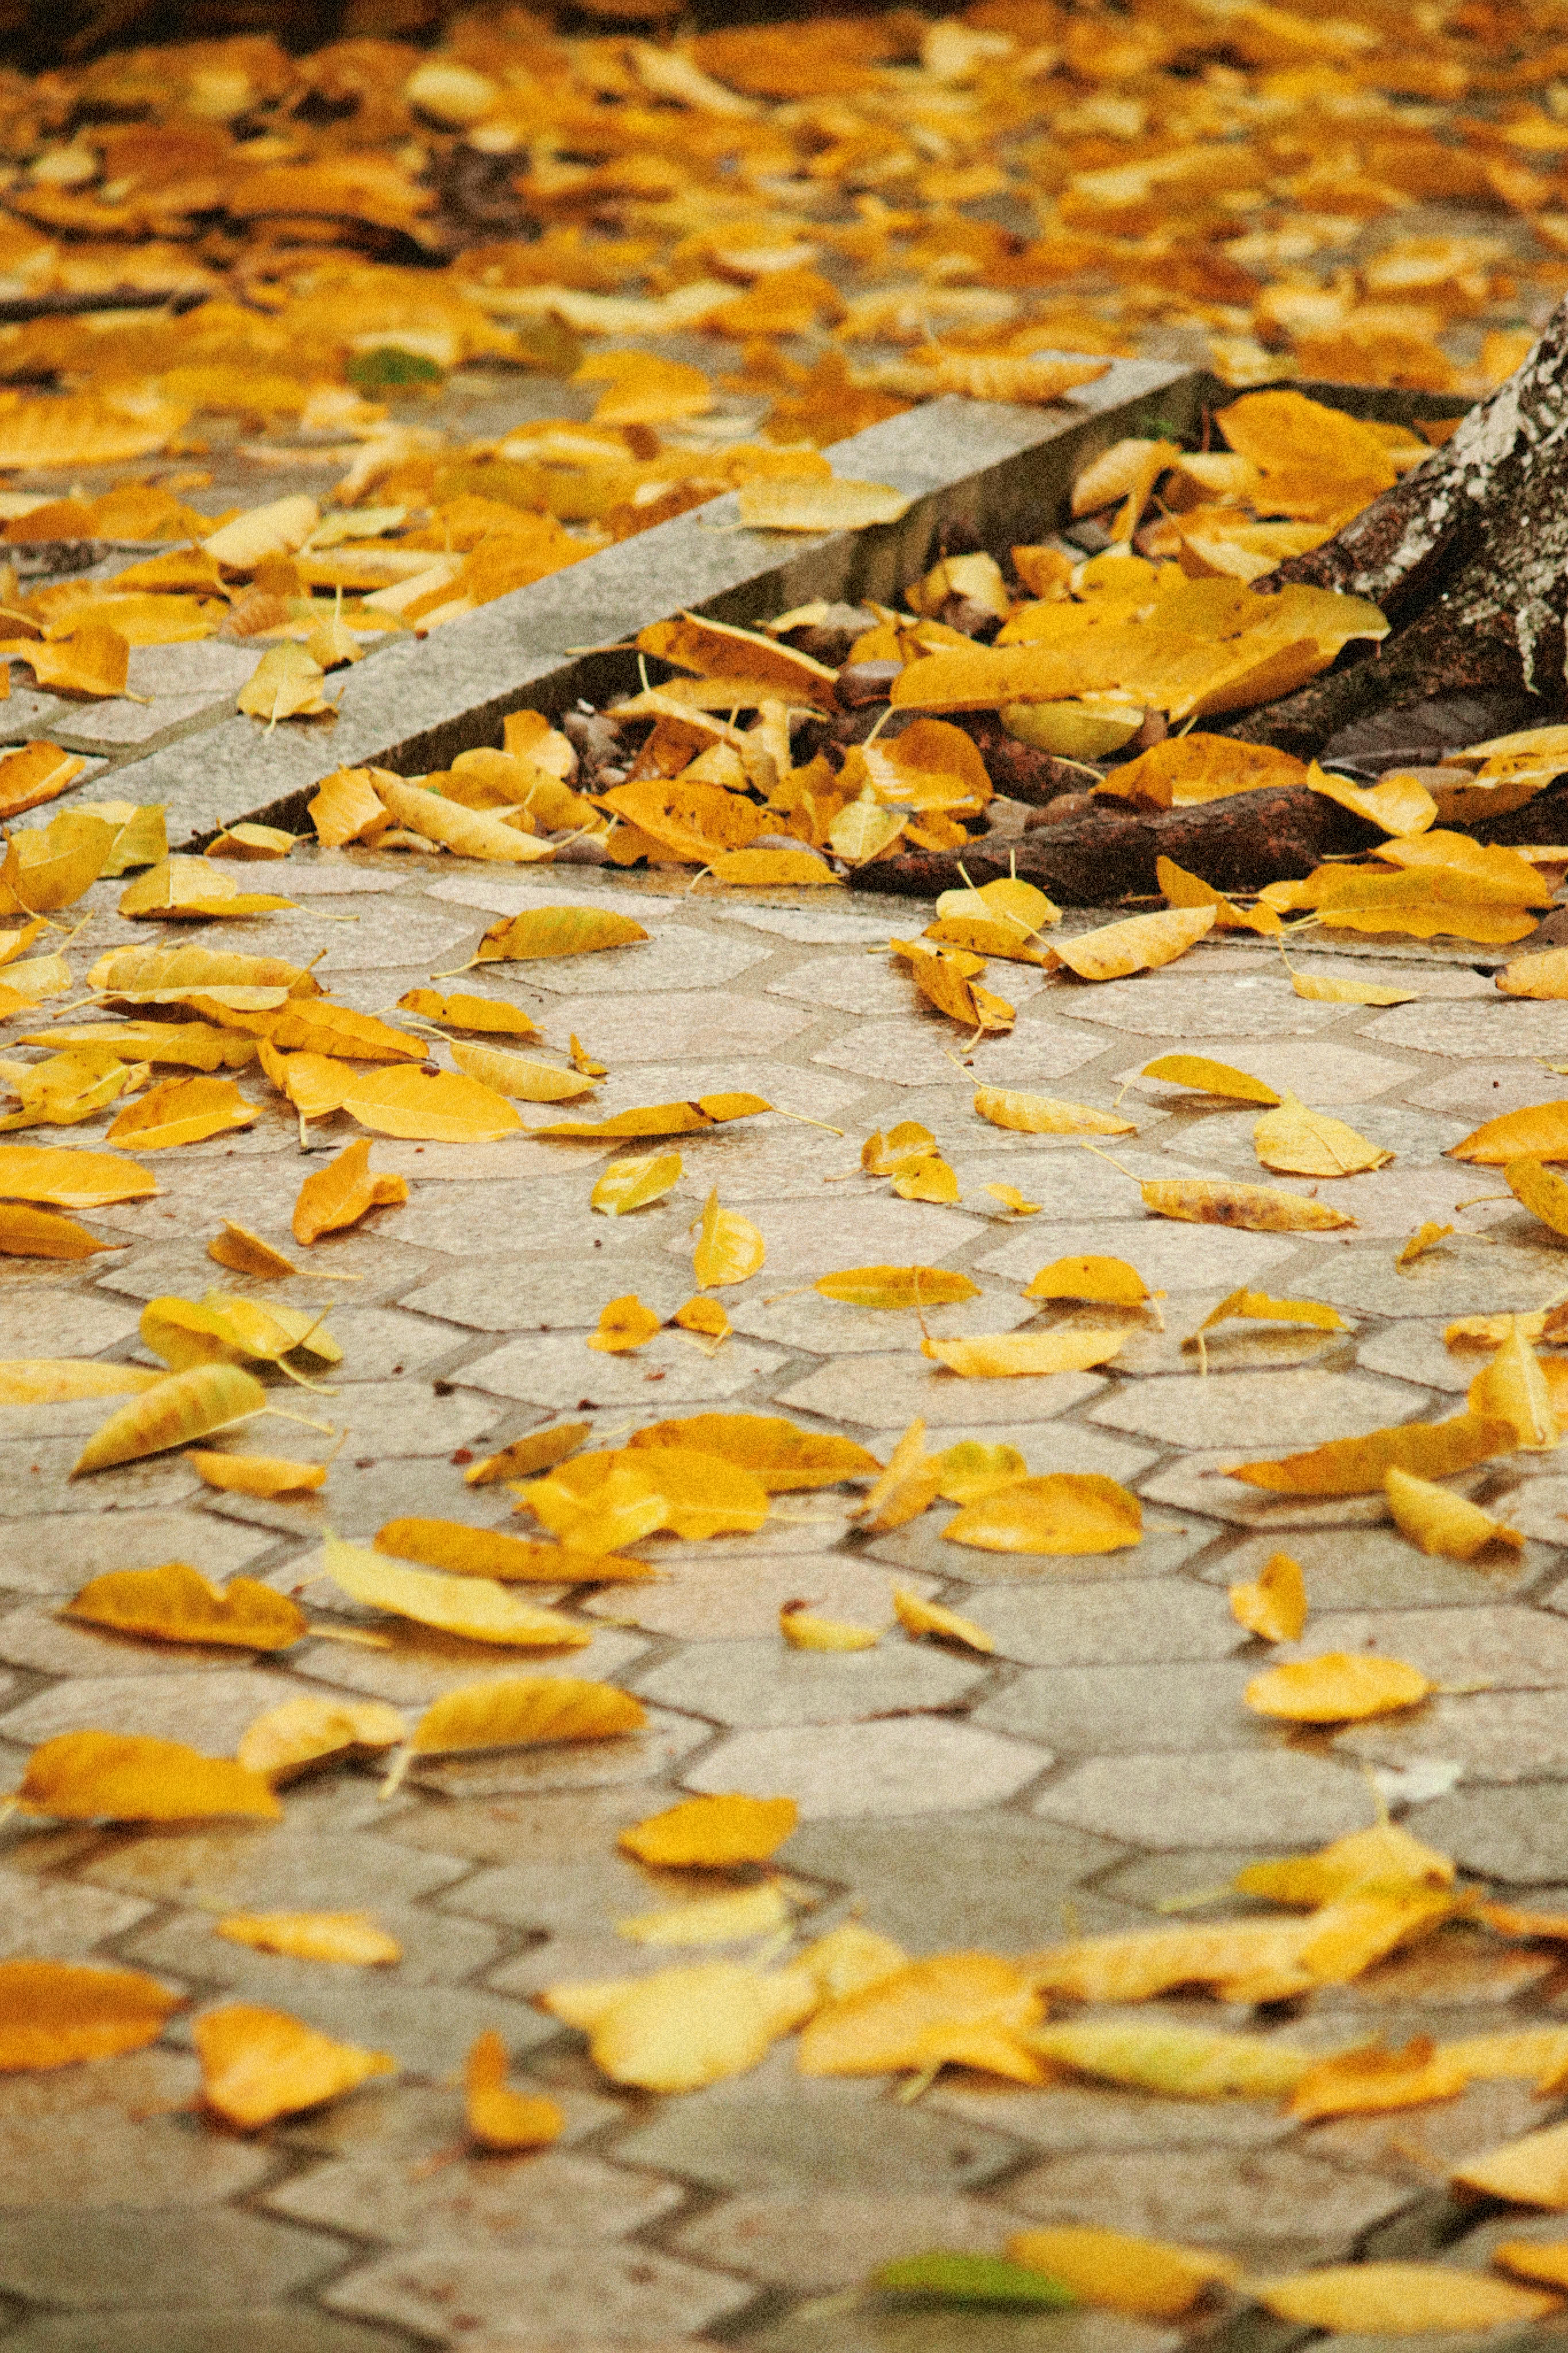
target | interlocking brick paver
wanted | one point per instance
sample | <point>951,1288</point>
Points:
<point>554,2200</point>
<point>109,2258</point>
<point>995,1879</point>
<point>749,1684</point>
<point>903,1765</point>
<point>1264,1796</point>
<point>574,2298</point>
<point>1278,2205</point>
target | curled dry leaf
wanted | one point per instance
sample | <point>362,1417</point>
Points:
<point>797,502</point>
<point>126,1777</point>
<point>467,832</point>
<point>1358,1466</point>
<point>261,2064</point>
<point>264,1475</point>
<point>1399,2299</point>
<point>540,1451</point>
<point>490,1552</point>
<point>517,1076</point>
<point>1369,2081</point>
<point>1386,1856</point>
<point>897,1286</point>
<point>728,1247</point>
<point>299,1733</point>
<point>41,1233</point>
<point>1539,1131</point>
<point>1423,1239</point>
<point>173,1413</point>
<point>58,2014</point>
<point>627,1184</point>
<point>1437,1521</point>
<point>706,1318</point>
<point>343,1192</point>
<point>557,932</point>
<point>1274,1605</point>
<point>176,1604</point>
<point>1513,1387</point>
<point>1539,1190</point>
<point>1302,1142</point>
<point>488,1015</point>
<point>1043,1115</point>
<point>1140,944</point>
<point>1531,2260</point>
<point>525,1712</point>
<point>1183,890</point>
<point>1010,1198</point>
<point>474,1607</point>
<point>352,1938</point>
<point>1064,1512</point>
<point>804,1631</point>
<point>1339,1687</point>
<point>1324,988</point>
<point>51,1380</point>
<point>711,1833</point>
<point>1257,1307</point>
<point>1007,1354</point>
<point>918,1616</point>
<point>1256,1209</point>
<point>1195,1071</point>
<point>880,1154</point>
<point>48,867</point>
<point>498,2117</point>
<point>682,2028</point>
<point>625,1325</point>
<point>1147,2278</point>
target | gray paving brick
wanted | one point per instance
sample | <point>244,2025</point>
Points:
<point>118,2258</point>
<point>576,2294</point>
<point>751,1683</point>
<point>998,1880</point>
<point>904,1764</point>
<point>1262,1796</point>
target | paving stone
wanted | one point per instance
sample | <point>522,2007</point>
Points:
<point>1260,1797</point>
<point>53,1919</point>
<point>438,1949</point>
<point>586,1893</point>
<point>76,1323</point>
<point>1253,1410</point>
<point>828,1328</point>
<point>1379,1569</point>
<point>1415,1351</point>
<point>287,2328</point>
<point>1073,2118</point>
<point>294,1866</point>
<point>763,1681</point>
<point>1108,1625</point>
<point>1112,1711</point>
<point>396,2122</point>
<point>1482,1028</point>
<point>1487,1088</point>
<point>1506,1736</point>
<point>33,1636</point>
<point>1501,1834</point>
<point>574,2298</point>
<point>113,2258</point>
<point>1274,2205</point>
<point>869,983</point>
<point>673,1023</point>
<point>1197,1483</point>
<point>1169,1256</point>
<point>212,1711</point>
<point>551,1826</point>
<point>36,1483</point>
<point>841,923</point>
<point>551,2200</point>
<point>1426,2142</point>
<point>1248,1007</point>
<point>1515,1649</point>
<point>417,1664</point>
<point>911,1049</point>
<point>729,1600</point>
<point>997,1880</point>
<point>98,2157</point>
<point>896,1389</point>
<point>556,1368</point>
<point>909,1765</point>
<point>811,2245</point>
<point>516,1294</point>
<point>678,956</point>
<point>1537,1508</point>
<point>154,2082</point>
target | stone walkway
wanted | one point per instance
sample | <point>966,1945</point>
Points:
<point>1101,1764</point>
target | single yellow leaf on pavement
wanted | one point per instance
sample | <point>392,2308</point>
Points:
<point>1530,2172</point>
<point>1539,1131</point>
<point>880,1154</point>
<point>1102,1282</point>
<point>51,1380</point>
<point>486,1013</point>
<point>557,932</point>
<point>1140,944</point>
<point>1423,1239</point>
<point>540,1451</point>
<point>1386,1856</point>
<point>265,1475</point>
<point>1357,1466</point>
<point>244,1252</point>
<point>260,2063</point>
<point>625,1325</point>
<point>173,1413</point>
<point>59,2014</point>
<point>187,890</point>
<point>1302,1142</point>
<point>474,1607</point>
<point>1437,1521</point>
<point>1368,2082</point>
<point>970,1469</point>
<point>516,1075</point>
<point>1010,1198</point>
<point>299,1733</point>
<point>444,1108</point>
<point>706,1318</point>
<point>1145,1962</point>
<point>728,1247</point>
<point>711,1833</point>
<point>490,1551</point>
<point>928,1178</point>
<point>1399,2299</point>
<point>918,1616</point>
<point>498,2117</point>
<point>1513,1387</point>
<point>740,1911</point>
<point>1007,1354</point>
<point>70,1180</point>
<point>176,1604</point>
<point>1531,2259</point>
<point>525,1712</point>
<point>627,1184</point>
<point>886,2027</point>
<point>1539,1190</point>
<point>1185,2063</point>
<point>1183,890</point>
<point>1195,1071</point>
<point>660,1119</point>
<point>1147,2278</point>
<point>467,832</point>
<point>1256,1209</point>
<point>1275,1604</point>
<point>682,2028</point>
<point>128,1777</point>
<point>1043,1115</point>
<point>1339,1687</point>
<point>1323,989</point>
<point>798,502</point>
<point>766,1446</point>
<point>41,1233</point>
<point>343,1192</point>
<point>1063,1512</point>
<point>1256,1306</point>
<point>908,1485</point>
<point>897,1286</point>
<point>353,1937</point>
<point>180,1110</point>
<point>803,1630</point>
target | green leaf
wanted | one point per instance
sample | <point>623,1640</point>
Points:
<point>385,365</point>
<point>946,2277</point>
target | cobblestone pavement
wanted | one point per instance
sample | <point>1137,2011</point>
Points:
<point>1101,1764</point>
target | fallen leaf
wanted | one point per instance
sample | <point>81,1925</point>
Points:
<point>1530,2172</point>
<point>764,870</point>
<point>51,1381</point>
<point>682,2028</point>
<point>706,1318</point>
<point>726,1919</point>
<point>917,1617</point>
<point>176,1604</point>
<point>1195,1071</point>
<point>1539,1131</point>
<point>1372,2081</point>
<point>1064,1512</point>
<point>500,2119</point>
<point>1339,1687</point>
<point>1145,2277</point>
<point>232,1330</point>
<point>299,1733</point>
<point>1324,990</point>
<point>1183,890</point>
<point>627,1184</point>
<point>1043,1115</point>
<point>39,1233</point>
<point>973,2283</point>
<point>517,1076</point>
<point>970,1469</point>
<point>1274,1605</point>
<point>796,502</point>
<point>59,2014</point>
<point>1541,976</point>
<point>180,1110</point>
<point>341,1193</point>
<point>711,1833</point>
<point>474,1607</point>
<point>443,1107</point>
<point>1302,1143</point>
<point>285,684</point>
<point>1140,944</point>
<point>728,1247</point>
<point>188,890</point>
<point>1399,804</point>
<point>1185,2063</point>
<point>899,2022</point>
<point>353,1937</point>
<point>126,1777</point>
<point>625,1325</point>
<point>1358,1466</point>
<point>260,2063</point>
<point>773,1451</point>
<point>313,1027</point>
<point>1421,1241</point>
<point>538,1452</point>
<point>524,1712</point>
<point>173,1413</point>
<point>1532,2260</point>
<point>557,932</point>
<point>490,1551</point>
<point>1256,1209</point>
<point>1007,1354</point>
<point>486,1013</point>
<point>880,1154</point>
<point>1437,1521</point>
<point>1102,1282</point>
<point>896,1287</point>
<point>805,1632</point>
<point>1513,1387</point>
<point>662,1119</point>
<point>48,868</point>
<point>1399,2299</point>
<point>1539,1190</point>
<point>1010,1198</point>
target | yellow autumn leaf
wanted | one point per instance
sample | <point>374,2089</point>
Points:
<point>476,1608</point>
<point>945,978</point>
<point>1185,2063</point>
<point>1043,1115</point>
<point>711,1833</point>
<point>524,1712</point>
<point>627,1184</point>
<point>1531,2260</point>
<point>1137,1966</point>
<point>260,2063</point>
<point>1539,1131</point>
<point>129,1777</point>
<point>682,2028</point>
<point>925,1177</point>
<point>1063,1512</point>
<point>51,1380</point>
<point>1010,1198</point>
<point>1256,1209</point>
<point>48,867</point>
<point>898,2022</point>
<point>515,1075</point>
<point>661,1119</point>
<point>863,829</point>
<point>199,1045</point>
<point>1539,1190</point>
<point>918,1616</point>
<point>265,1475</point>
<point>350,1937</point>
<point>799,502</point>
<point>557,932</point>
<point>848,1958</point>
<point>1102,1282</point>
<point>1513,1387</point>
<point>1274,1605</point>
<point>40,1233</point>
<point>1358,1466</point>
<point>498,2117</point>
<point>1324,988</point>
<point>1437,1521</point>
<point>1423,1239</point>
<point>299,1733</point>
<point>1302,1142</point>
<point>59,2014</point>
<point>489,1015</point>
<point>176,1604</point>
<point>907,1487</point>
<point>1008,1354</point>
<point>1256,1306</point>
<point>728,1247</point>
<point>1370,2080</point>
<point>765,869</point>
<point>1147,2278</point>
<point>1399,804</point>
<point>625,1325</point>
<point>880,1154</point>
<point>229,1329</point>
<point>763,1447</point>
<point>180,1110</point>
<point>1399,2299</point>
<point>741,1912</point>
<point>187,890</point>
<point>343,1192</point>
<point>897,1287</point>
<point>243,1252</point>
<point>1183,890</point>
<point>540,1451</point>
<point>706,1318</point>
<point>970,1469</point>
<point>443,1108</point>
<point>804,1631</point>
<point>1195,1071</point>
<point>463,1551</point>
<point>1140,944</point>
<point>1339,1687</point>
<point>1530,2172</point>
<point>338,1031</point>
<point>173,1413</point>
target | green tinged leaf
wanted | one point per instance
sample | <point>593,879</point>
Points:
<point>945,2277</point>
